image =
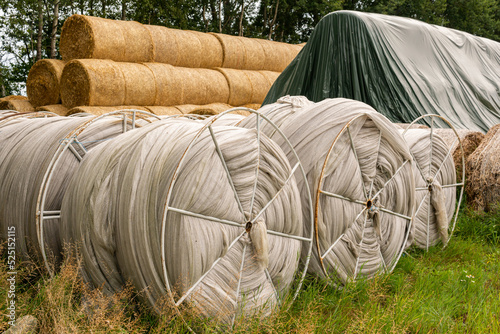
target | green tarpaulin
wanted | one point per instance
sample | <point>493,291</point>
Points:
<point>402,67</point>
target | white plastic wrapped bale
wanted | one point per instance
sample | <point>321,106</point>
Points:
<point>195,216</point>
<point>360,173</point>
<point>436,187</point>
<point>37,158</point>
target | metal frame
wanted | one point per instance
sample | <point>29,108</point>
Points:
<point>368,203</point>
<point>243,224</point>
<point>68,143</point>
<point>431,178</point>
<point>36,114</point>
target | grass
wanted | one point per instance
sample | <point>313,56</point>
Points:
<point>455,290</point>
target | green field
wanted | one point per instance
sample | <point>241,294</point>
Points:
<point>456,290</point>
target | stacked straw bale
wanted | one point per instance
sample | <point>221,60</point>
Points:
<point>55,108</point>
<point>482,172</point>
<point>99,110</point>
<point>20,105</point>
<point>43,83</point>
<point>13,97</point>
<point>230,271</point>
<point>353,238</point>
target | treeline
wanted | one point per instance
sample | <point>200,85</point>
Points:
<point>30,29</point>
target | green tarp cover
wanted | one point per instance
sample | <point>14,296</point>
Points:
<point>402,67</point>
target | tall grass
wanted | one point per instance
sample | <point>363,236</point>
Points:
<point>455,290</point>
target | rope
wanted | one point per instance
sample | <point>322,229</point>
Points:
<point>368,163</point>
<point>227,237</point>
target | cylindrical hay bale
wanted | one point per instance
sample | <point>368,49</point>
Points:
<point>17,105</point>
<point>360,175</point>
<point>165,44</point>
<point>169,88</point>
<point>140,84</point>
<point>164,111</point>
<point>275,56</point>
<point>43,83</point>
<point>55,108</point>
<point>13,97</point>
<point>482,170</point>
<point>93,37</point>
<point>270,76</point>
<point>233,51</point>
<point>24,170</point>
<point>211,51</point>
<point>98,111</point>
<point>435,200</point>
<point>470,141</point>
<point>254,106</point>
<point>246,86</point>
<point>92,82</point>
<point>218,268</point>
<point>260,86</point>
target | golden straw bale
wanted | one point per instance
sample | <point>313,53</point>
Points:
<point>207,109</point>
<point>92,82</point>
<point>270,76</point>
<point>211,51</point>
<point>482,170</point>
<point>255,55</point>
<point>233,51</point>
<point>470,141</point>
<point>43,83</point>
<point>188,48</point>
<point>165,111</point>
<point>101,110</point>
<point>13,97</point>
<point>240,87</point>
<point>93,37</point>
<point>55,108</point>
<point>17,105</point>
<point>260,86</point>
<point>169,91</point>
<point>164,44</point>
<point>140,85</point>
<point>254,106</point>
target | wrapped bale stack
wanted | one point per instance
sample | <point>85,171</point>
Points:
<point>163,67</point>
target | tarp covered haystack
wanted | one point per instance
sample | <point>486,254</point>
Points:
<point>402,67</point>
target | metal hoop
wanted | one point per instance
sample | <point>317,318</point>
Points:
<point>28,115</point>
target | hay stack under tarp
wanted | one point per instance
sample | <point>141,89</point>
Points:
<point>470,141</point>
<point>43,83</point>
<point>256,54</point>
<point>100,110</point>
<point>247,87</point>
<point>359,172</point>
<point>94,37</point>
<point>482,171</point>
<point>198,248</point>
<point>435,197</point>
<point>96,82</point>
<point>17,105</point>
<point>55,108</point>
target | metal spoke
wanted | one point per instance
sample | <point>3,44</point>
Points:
<point>197,215</point>
<point>75,152</point>
<point>359,165</point>
<point>195,285</point>
<point>258,166</point>
<point>342,197</point>
<point>239,284</point>
<point>360,245</point>
<point>418,166</point>
<point>452,185</point>
<point>376,162</point>
<point>133,120</point>
<point>290,236</point>
<point>382,258</point>
<point>272,284</point>
<point>392,178</point>
<point>394,213</point>
<point>446,157</point>
<point>420,205</point>
<point>428,222</point>
<point>55,214</point>
<point>277,194</point>
<point>219,152</point>
<point>338,239</point>
<point>432,146</point>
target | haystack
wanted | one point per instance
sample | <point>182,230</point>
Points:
<point>55,108</point>
<point>43,83</point>
<point>482,170</point>
<point>164,111</point>
<point>17,105</point>
<point>100,110</point>
<point>208,109</point>
<point>13,97</point>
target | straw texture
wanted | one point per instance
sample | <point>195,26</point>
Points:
<point>55,108</point>
<point>43,83</point>
<point>20,105</point>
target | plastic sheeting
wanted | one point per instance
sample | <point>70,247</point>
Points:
<point>402,67</point>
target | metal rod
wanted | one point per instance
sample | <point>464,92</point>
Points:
<point>418,166</point>
<point>51,217</point>
<point>452,185</point>
<point>385,184</point>
<point>342,197</point>
<point>359,165</point>
<point>124,122</point>
<point>446,157</point>
<point>219,152</point>
<point>333,245</point>
<point>420,205</point>
<point>290,236</point>
<point>258,166</point>
<point>360,245</point>
<point>239,284</point>
<point>279,192</point>
<point>56,212</point>
<point>432,146</point>
<point>191,289</point>
<point>197,215</point>
<point>382,258</point>
<point>428,223</point>
<point>376,161</point>
<point>80,144</point>
<point>272,284</point>
<point>133,120</point>
<point>394,213</point>
<point>75,152</point>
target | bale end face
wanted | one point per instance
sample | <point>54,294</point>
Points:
<point>75,85</point>
<point>77,38</point>
<point>43,83</point>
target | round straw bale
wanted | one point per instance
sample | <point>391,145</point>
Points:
<point>270,76</point>
<point>43,83</point>
<point>255,56</point>
<point>203,86</point>
<point>188,48</point>
<point>254,106</point>
<point>260,86</point>
<point>93,37</point>
<point>140,85</point>
<point>13,97</point>
<point>482,170</point>
<point>164,43</point>
<point>233,51</point>
<point>470,141</point>
<point>87,82</point>
<point>169,90</point>
<point>55,108</point>
<point>274,56</point>
<point>17,105</point>
<point>211,50</point>
<point>166,111</point>
<point>100,110</point>
<point>240,86</point>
